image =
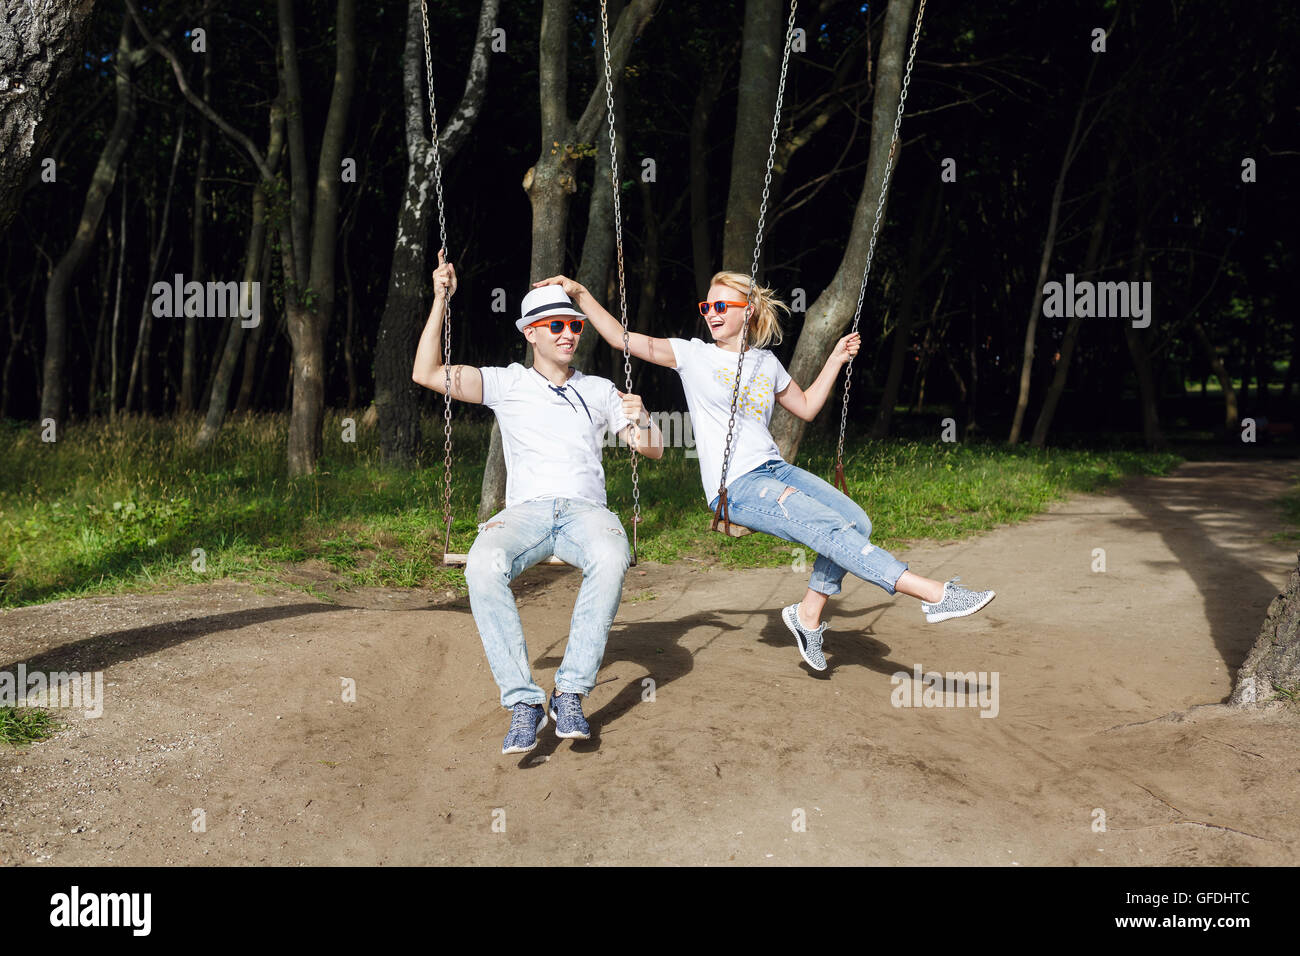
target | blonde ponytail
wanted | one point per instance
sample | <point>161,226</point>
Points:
<point>764,326</point>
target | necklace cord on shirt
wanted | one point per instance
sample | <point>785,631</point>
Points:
<point>562,391</point>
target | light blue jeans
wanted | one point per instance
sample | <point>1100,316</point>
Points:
<point>815,514</point>
<point>578,532</point>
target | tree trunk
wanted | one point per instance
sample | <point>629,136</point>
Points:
<point>117,315</point>
<point>598,246</point>
<point>934,337</point>
<point>140,362</point>
<point>255,252</point>
<point>1230,410</point>
<point>925,225</point>
<point>101,185</point>
<point>189,350</point>
<point>715,74</point>
<point>310,306</point>
<point>17,334</point>
<point>1271,671</point>
<point>1293,366</point>
<point>397,397</point>
<point>1057,388</point>
<point>349,364</point>
<point>1045,263</point>
<point>39,48</point>
<point>1148,388</point>
<point>832,311</point>
<point>760,72</point>
<point>253,357</point>
<point>551,180</point>
<point>101,326</point>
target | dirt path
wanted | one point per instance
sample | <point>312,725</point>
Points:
<point>1109,690</point>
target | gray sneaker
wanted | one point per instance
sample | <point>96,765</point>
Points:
<point>525,721</point>
<point>808,641</point>
<point>566,711</point>
<point>957,602</point>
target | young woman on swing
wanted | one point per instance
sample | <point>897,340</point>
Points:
<point>766,493</point>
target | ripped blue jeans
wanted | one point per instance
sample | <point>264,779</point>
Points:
<point>582,534</point>
<point>815,514</point>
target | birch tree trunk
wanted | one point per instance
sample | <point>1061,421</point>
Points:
<point>39,48</point>
<point>397,397</point>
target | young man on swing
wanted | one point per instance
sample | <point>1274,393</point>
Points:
<point>552,420</point>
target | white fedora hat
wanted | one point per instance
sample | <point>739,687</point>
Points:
<point>547,301</point>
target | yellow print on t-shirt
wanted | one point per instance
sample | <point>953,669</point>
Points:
<point>754,400</point>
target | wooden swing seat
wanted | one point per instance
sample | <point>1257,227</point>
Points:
<point>459,561</point>
<point>736,531</point>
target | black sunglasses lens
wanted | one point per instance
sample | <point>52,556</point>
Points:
<point>557,327</point>
<point>575,326</point>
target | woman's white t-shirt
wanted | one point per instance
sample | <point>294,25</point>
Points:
<point>708,376</point>
<point>552,436</point>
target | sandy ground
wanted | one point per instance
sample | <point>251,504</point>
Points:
<point>1109,690</point>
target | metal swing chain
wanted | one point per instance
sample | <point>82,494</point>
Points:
<point>723,512</point>
<point>871,248</point>
<point>622,282</point>
<point>446,315</point>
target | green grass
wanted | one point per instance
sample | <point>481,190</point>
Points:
<point>118,506</point>
<point>1290,505</point>
<point>22,725</point>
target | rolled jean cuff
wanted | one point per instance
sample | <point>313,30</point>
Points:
<point>889,588</point>
<point>822,586</point>
<point>523,698</point>
<point>570,690</point>
<point>826,577</point>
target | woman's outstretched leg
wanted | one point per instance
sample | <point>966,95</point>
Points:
<point>772,498</point>
<point>827,574</point>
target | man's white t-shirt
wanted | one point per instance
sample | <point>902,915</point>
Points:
<point>708,376</point>
<point>552,436</point>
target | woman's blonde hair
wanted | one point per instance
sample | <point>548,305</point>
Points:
<point>764,327</point>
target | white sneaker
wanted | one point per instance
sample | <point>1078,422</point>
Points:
<point>956,602</point>
<point>809,641</point>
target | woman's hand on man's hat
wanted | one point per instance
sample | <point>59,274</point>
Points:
<point>571,287</point>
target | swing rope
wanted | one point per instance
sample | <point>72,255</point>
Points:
<point>722,513</point>
<point>449,558</point>
<point>622,283</point>
<point>840,482</point>
<point>446,317</point>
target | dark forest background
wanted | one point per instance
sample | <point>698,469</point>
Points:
<point>1131,163</point>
